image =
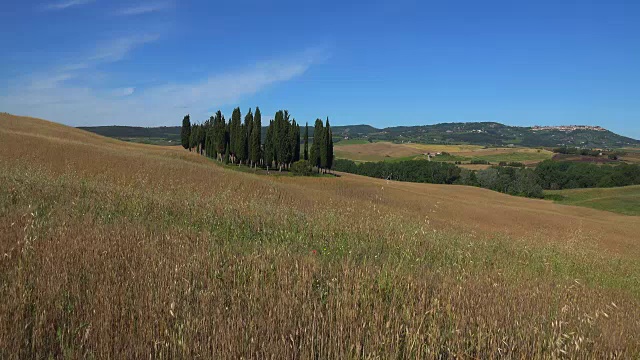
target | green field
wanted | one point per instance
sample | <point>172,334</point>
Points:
<point>150,141</point>
<point>351,142</point>
<point>623,200</point>
<point>515,156</point>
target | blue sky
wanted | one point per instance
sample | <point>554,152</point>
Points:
<point>148,63</point>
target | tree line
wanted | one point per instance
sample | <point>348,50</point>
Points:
<point>241,143</point>
<point>520,181</point>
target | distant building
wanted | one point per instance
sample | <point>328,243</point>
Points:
<point>568,128</point>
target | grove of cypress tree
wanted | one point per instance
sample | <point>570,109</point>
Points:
<point>185,133</point>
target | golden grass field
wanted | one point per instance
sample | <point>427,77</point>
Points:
<point>121,250</point>
<point>378,151</point>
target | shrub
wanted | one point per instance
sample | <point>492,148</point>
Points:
<point>301,168</point>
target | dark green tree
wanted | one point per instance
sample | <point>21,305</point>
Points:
<point>314,155</point>
<point>256,134</point>
<point>324,146</point>
<point>209,136</point>
<point>297,151</point>
<point>202,136</point>
<point>329,135</point>
<point>306,141</point>
<point>193,139</point>
<point>269,149</point>
<point>235,126</point>
<point>185,133</point>
<point>226,154</point>
<point>219,135</point>
<point>294,141</point>
<point>242,145</point>
<point>248,125</point>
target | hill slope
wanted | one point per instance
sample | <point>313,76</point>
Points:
<point>123,250</point>
<point>476,133</point>
<point>623,200</point>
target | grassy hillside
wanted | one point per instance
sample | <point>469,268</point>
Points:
<point>121,250</point>
<point>624,200</point>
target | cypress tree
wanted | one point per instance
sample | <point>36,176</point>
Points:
<point>220,136</point>
<point>276,137</point>
<point>193,138</point>
<point>296,141</point>
<point>185,133</point>
<point>248,125</point>
<point>306,141</point>
<point>329,145</point>
<point>324,147</point>
<point>269,151</point>
<point>235,126</point>
<point>242,144</point>
<point>256,134</point>
<point>293,136</point>
<point>318,133</point>
<point>284,140</point>
<point>202,136</point>
<point>209,136</point>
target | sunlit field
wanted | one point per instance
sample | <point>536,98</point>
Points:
<point>387,151</point>
<point>623,200</point>
<point>120,250</point>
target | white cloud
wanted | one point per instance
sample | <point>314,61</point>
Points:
<point>144,8</point>
<point>66,4</point>
<point>159,105</point>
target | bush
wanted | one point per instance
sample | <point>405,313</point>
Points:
<point>511,164</point>
<point>301,168</point>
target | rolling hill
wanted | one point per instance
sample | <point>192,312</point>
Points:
<point>475,133</point>
<point>115,249</point>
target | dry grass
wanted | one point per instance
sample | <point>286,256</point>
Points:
<point>116,250</point>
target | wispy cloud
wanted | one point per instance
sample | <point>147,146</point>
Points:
<point>116,50</point>
<point>108,52</point>
<point>144,8</point>
<point>128,91</point>
<point>157,105</point>
<point>66,4</point>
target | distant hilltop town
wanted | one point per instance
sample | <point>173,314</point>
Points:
<point>568,128</point>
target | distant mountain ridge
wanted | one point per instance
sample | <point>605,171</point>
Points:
<point>476,133</point>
